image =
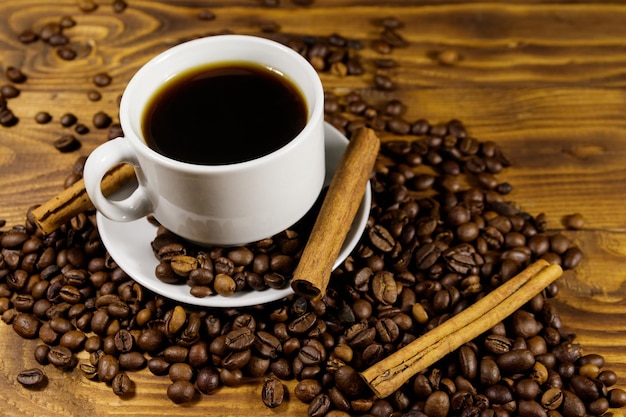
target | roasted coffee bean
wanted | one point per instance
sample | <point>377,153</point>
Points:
<point>499,394</point>
<point>574,221</point>
<point>15,75</point>
<point>101,120</point>
<point>180,371</point>
<point>67,143</point>
<point>26,325</point>
<point>349,381</point>
<point>572,405</point>
<point>224,285</point>
<point>87,5</point>
<point>231,378</point>
<point>122,385</point>
<point>7,117</point>
<point>307,389</point>
<point>158,365</point>
<point>617,398</point>
<point>272,392</point>
<point>9,91</point>
<point>68,119</point>
<point>381,238</point>
<point>61,357</point>
<point>94,95</point>
<point>43,117</point>
<point>384,287</point>
<point>132,361</point>
<point>119,6</point>
<point>102,79</point>
<point>319,406</point>
<point>27,36</point>
<point>437,404</point>
<point>33,378</point>
<point>66,53</point>
<point>41,354</point>
<point>81,129</point>
<point>181,391</point>
<point>73,340</point>
<point>267,345</point>
<point>552,398</point>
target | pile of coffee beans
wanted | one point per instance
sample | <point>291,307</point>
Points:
<point>268,263</point>
<point>441,234</point>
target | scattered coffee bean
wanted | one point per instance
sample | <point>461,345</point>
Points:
<point>94,95</point>
<point>68,119</point>
<point>101,120</point>
<point>66,53</point>
<point>7,118</point>
<point>9,91</point>
<point>102,79</point>
<point>27,36</point>
<point>122,385</point>
<point>574,221</point>
<point>67,22</point>
<point>206,15</point>
<point>33,378</point>
<point>81,129</point>
<point>67,143</point>
<point>448,57</point>
<point>87,6</point>
<point>15,75</point>
<point>43,117</point>
<point>119,6</point>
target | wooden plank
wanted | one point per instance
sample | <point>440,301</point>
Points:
<point>545,81</point>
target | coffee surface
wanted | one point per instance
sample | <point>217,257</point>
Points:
<point>224,113</point>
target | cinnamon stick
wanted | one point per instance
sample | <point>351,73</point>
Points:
<point>74,199</point>
<point>388,375</point>
<point>335,218</point>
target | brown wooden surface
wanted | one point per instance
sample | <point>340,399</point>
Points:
<point>545,81</point>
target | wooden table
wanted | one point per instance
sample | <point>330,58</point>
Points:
<point>546,82</point>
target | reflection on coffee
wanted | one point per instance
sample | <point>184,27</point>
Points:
<point>224,113</point>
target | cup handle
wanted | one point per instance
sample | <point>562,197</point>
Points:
<point>104,157</point>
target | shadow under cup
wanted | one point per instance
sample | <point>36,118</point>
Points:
<point>236,202</point>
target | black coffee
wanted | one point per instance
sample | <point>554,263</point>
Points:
<point>223,114</point>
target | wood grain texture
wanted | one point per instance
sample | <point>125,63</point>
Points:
<point>545,81</point>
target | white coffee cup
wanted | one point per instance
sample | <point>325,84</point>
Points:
<point>215,204</point>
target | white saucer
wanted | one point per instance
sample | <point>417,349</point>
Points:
<point>129,245</point>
